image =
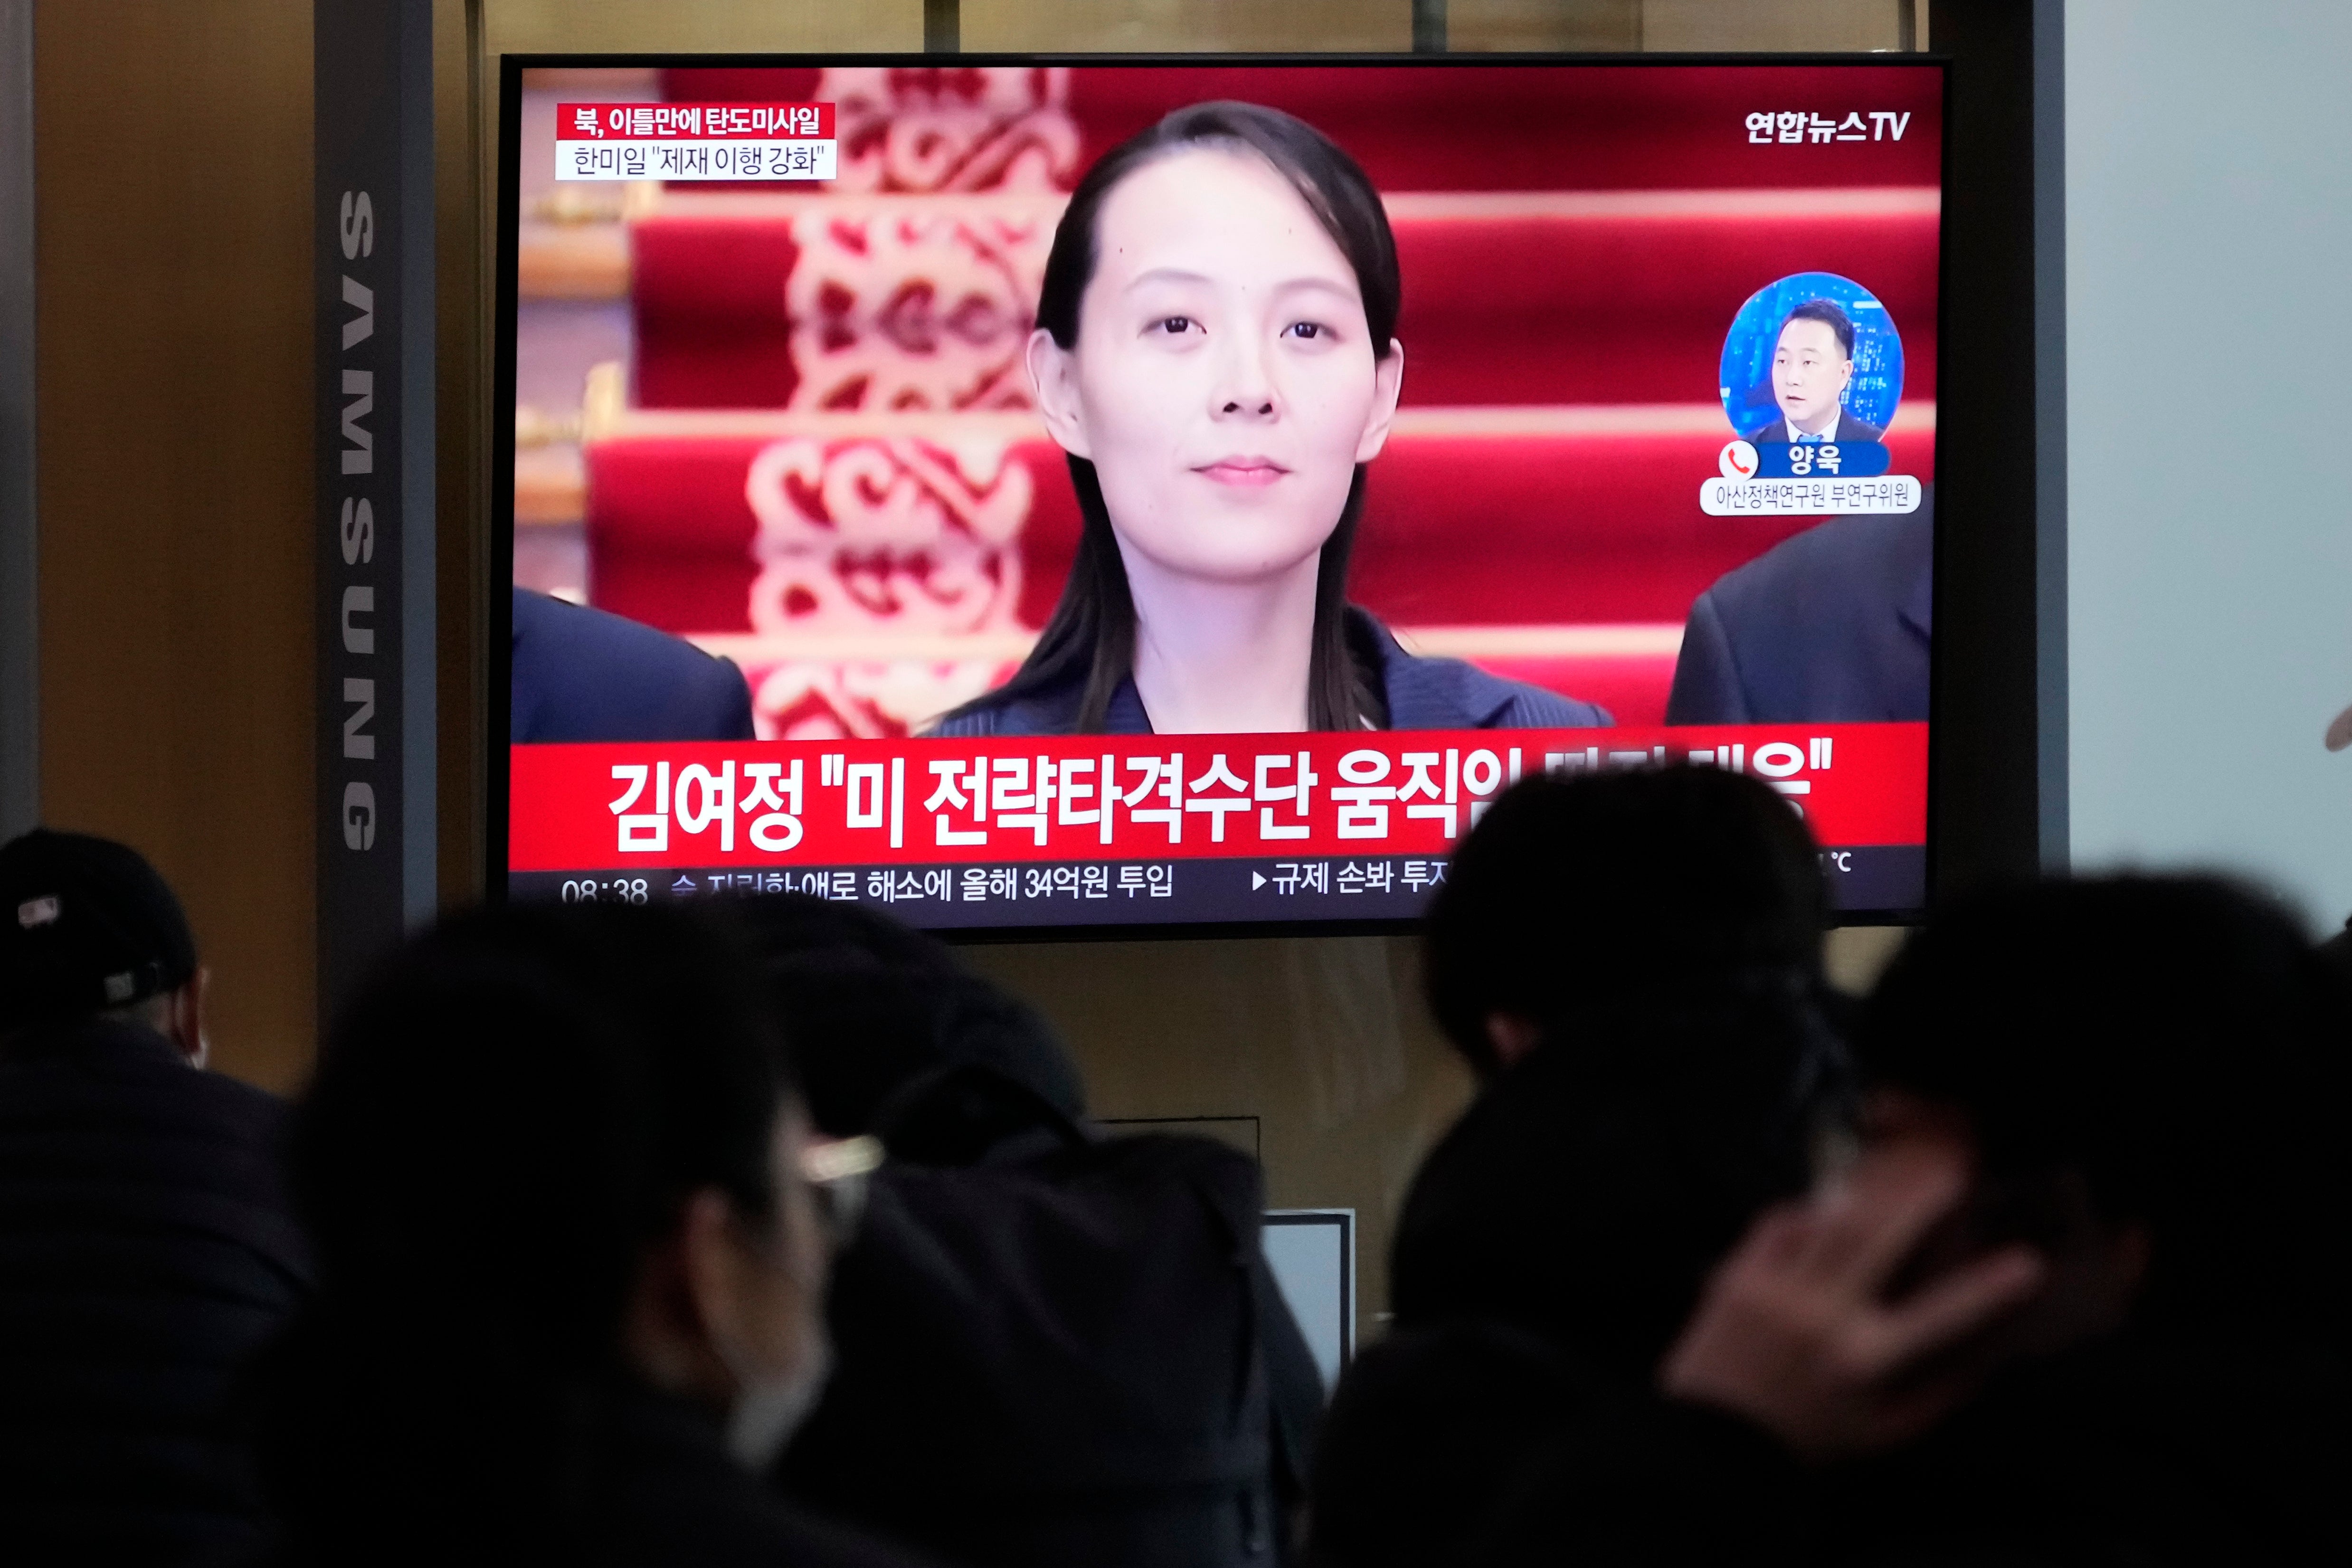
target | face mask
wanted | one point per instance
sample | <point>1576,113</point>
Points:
<point>769,1409</point>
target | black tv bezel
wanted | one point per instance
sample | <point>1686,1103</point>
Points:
<point>507,298</point>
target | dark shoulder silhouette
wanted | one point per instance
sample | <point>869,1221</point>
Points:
<point>1831,625</point>
<point>580,674</point>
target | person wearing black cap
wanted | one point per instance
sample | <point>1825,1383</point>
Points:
<point>146,1249</point>
<point>94,930</point>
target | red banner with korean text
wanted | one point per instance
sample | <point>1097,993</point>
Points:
<point>1162,797</point>
<point>693,121</point>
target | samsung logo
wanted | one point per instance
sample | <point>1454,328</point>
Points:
<point>352,411</point>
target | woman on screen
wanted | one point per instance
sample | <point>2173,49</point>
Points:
<point>1215,351</point>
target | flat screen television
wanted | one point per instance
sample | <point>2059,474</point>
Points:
<point>1053,494</point>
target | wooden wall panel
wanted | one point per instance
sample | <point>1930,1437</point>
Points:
<point>174,378</point>
<point>1475,26</point>
<point>1187,26</point>
<point>519,26</point>
<point>1796,25</point>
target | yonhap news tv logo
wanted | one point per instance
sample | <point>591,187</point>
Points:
<point>1798,127</point>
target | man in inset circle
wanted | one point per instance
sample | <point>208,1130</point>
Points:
<point>1812,365</point>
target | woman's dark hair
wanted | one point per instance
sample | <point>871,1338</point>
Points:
<point>875,1009</point>
<point>1653,886</point>
<point>507,1116</point>
<point>1092,632</point>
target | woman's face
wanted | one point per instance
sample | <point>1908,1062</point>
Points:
<point>1224,384</point>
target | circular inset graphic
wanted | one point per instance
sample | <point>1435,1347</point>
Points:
<point>1807,349</point>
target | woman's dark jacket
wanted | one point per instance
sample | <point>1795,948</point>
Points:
<point>1421,694</point>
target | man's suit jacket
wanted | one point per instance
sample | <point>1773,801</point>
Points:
<point>1847,428</point>
<point>584,674</point>
<point>1830,626</point>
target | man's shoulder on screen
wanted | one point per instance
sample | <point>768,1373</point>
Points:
<point>1849,428</point>
<point>1832,625</point>
<point>1421,693</point>
<point>580,674</point>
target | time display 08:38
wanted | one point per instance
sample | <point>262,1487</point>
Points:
<point>606,890</point>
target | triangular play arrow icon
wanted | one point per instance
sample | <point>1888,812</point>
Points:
<point>1256,881</point>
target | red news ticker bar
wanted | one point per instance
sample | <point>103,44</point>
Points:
<point>693,121</point>
<point>596,807</point>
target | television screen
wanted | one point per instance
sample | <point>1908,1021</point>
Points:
<point>1042,494</point>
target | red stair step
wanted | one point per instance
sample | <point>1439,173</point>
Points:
<point>1528,298</point>
<point>1523,517</point>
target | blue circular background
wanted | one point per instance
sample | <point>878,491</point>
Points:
<point>1746,383</point>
